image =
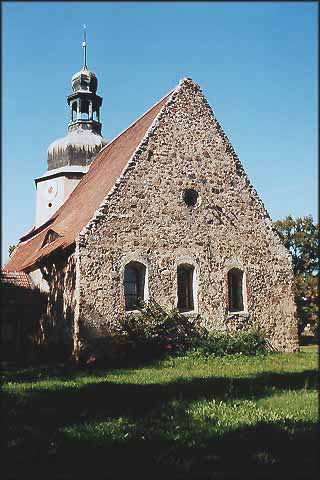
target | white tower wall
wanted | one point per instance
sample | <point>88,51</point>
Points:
<point>53,188</point>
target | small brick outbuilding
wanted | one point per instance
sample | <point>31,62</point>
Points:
<point>22,308</point>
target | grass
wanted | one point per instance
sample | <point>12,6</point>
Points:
<point>184,417</point>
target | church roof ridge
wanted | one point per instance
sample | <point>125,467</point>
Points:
<point>85,206</point>
<point>81,206</point>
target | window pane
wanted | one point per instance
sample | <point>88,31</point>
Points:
<point>130,275</point>
<point>131,288</point>
<point>185,288</point>
<point>134,277</point>
<point>235,290</point>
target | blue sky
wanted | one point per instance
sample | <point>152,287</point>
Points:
<point>255,62</point>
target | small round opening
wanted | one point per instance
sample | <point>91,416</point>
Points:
<point>190,197</point>
<point>50,205</point>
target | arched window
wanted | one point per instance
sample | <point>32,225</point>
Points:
<point>134,283</point>
<point>185,288</point>
<point>235,287</point>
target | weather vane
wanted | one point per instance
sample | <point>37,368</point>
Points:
<point>84,45</point>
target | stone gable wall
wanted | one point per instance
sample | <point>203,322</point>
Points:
<point>145,218</point>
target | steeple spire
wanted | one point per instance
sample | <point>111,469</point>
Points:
<point>84,45</point>
<point>84,138</point>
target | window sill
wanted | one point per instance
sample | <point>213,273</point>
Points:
<point>134,312</point>
<point>191,314</point>
<point>238,314</point>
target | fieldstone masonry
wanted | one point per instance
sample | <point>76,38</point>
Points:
<point>145,218</point>
<point>58,327</point>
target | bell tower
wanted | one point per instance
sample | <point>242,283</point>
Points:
<point>84,102</point>
<point>69,157</point>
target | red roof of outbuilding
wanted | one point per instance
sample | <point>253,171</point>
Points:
<point>86,198</point>
<point>19,279</point>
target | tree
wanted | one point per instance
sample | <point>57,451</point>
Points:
<point>301,237</point>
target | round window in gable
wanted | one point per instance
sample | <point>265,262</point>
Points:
<point>190,197</point>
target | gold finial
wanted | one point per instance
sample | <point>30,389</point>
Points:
<point>84,45</point>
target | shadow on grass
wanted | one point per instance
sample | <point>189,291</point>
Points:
<point>264,448</point>
<point>142,396</point>
<point>70,371</point>
<point>306,340</point>
<point>33,421</point>
<point>36,373</point>
<point>263,451</point>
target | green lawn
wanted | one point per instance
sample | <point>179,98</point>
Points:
<point>184,417</point>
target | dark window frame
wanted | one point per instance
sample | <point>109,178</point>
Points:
<point>185,288</point>
<point>134,279</point>
<point>235,290</point>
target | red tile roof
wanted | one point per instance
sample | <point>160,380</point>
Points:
<point>19,279</point>
<point>86,198</point>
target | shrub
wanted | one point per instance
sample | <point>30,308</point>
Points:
<point>155,331</point>
<point>252,342</point>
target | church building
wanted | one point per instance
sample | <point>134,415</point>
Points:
<point>164,212</point>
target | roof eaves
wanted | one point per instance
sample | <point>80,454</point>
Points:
<point>45,256</point>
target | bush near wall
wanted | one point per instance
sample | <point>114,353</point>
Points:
<point>252,342</point>
<point>155,332</point>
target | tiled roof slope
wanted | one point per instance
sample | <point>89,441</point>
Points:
<point>86,198</point>
<point>19,279</point>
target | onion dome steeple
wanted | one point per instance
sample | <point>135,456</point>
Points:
<point>84,139</point>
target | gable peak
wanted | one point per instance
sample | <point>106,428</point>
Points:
<point>187,81</point>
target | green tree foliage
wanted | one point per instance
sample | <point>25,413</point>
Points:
<point>301,237</point>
